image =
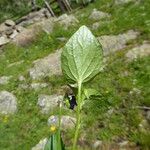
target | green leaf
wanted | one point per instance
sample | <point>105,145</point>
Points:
<point>91,92</point>
<point>82,56</point>
<point>55,142</point>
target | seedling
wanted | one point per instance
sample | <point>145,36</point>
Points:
<point>81,60</point>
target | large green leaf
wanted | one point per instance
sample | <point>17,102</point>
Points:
<point>82,56</point>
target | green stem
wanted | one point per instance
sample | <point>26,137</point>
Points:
<point>78,116</point>
<point>59,126</point>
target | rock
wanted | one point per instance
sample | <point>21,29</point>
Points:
<point>3,28</point>
<point>21,78</point>
<point>37,86</point>
<point>34,17</point>
<point>66,21</point>
<point>144,126</point>
<point>66,121</point>
<point>9,23</point>
<point>47,66</point>
<point>46,25</point>
<point>135,91</point>
<point>5,80</point>
<point>8,32</point>
<point>27,36</point>
<point>19,28</point>
<point>138,52</point>
<point>3,40</point>
<point>40,145</point>
<point>48,103</point>
<point>113,43</point>
<point>14,34</point>
<point>97,144</point>
<point>8,103</point>
<point>118,2</point>
<point>123,144</point>
<point>95,26</point>
<point>97,15</point>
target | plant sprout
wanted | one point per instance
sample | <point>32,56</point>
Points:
<point>81,60</point>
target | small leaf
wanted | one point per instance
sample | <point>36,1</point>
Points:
<point>55,142</point>
<point>82,56</point>
<point>91,92</point>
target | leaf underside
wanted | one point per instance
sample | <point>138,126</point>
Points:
<point>82,56</point>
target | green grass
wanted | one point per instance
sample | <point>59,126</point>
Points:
<point>28,126</point>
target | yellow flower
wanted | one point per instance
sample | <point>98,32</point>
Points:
<point>5,119</point>
<point>52,129</point>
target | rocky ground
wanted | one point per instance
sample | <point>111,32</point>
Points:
<point>31,81</point>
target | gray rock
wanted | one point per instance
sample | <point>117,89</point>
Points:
<point>138,52</point>
<point>14,34</point>
<point>96,25</point>
<point>3,28</point>
<point>21,78</point>
<point>66,21</point>
<point>19,28</point>
<point>48,103</point>
<point>113,43</point>
<point>46,25</point>
<point>3,40</point>
<point>27,36</point>
<point>97,144</point>
<point>8,103</point>
<point>97,15</point>
<point>40,145</point>
<point>120,2</point>
<point>37,86</point>
<point>47,66</point>
<point>5,80</point>
<point>9,23</point>
<point>67,122</point>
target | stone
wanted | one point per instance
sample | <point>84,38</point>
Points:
<point>21,78</point>
<point>27,36</point>
<point>123,144</point>
<point>5,80</point>
<point>120,2</point>
<point>37,86</point>
<point>97,144</point>
<point>66,21</point>
<point>67,122</point>
<point>47,66</point>
<point>113,43</point>
<point>97,15</point>
<point>3,40</point>
<point>8,103</point>
<point>40,145</point>
<point>48,103</point>
<point>33,17</point>
<point>14,34</point>
<point>3,28</point>
<point>46,25</point>
<point>138,52</point>
<point>19,28</point>
<point>9,23</point>
<point>144,126</point>
<point>95,26</point>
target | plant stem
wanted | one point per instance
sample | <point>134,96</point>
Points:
<point>78,116</point>
<point>59,126</point>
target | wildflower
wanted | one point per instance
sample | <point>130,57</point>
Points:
<point>52,128</point>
